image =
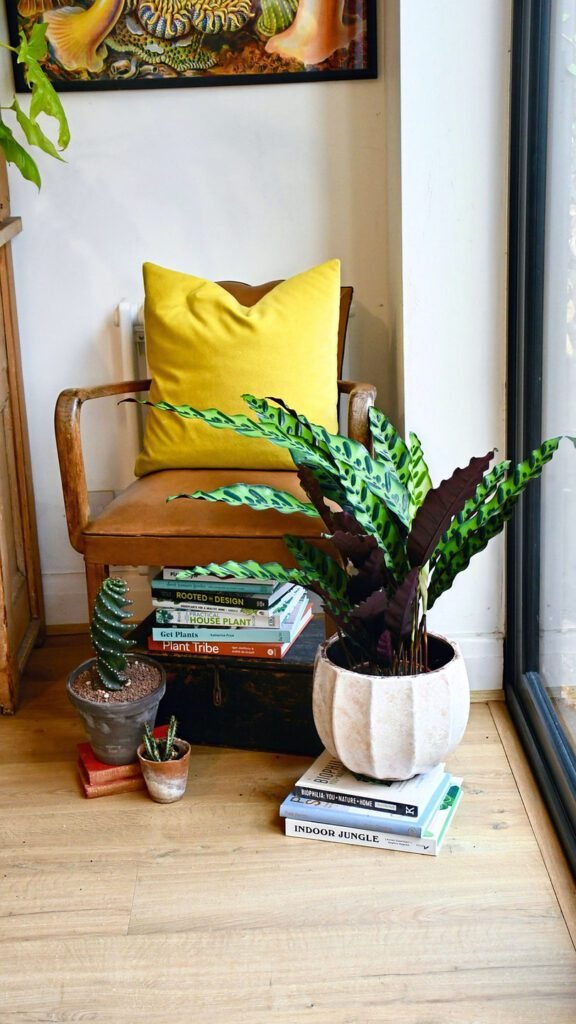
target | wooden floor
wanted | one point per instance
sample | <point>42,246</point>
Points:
<point>122,910</point>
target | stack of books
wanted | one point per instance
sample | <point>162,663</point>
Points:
<point>231,618</point>
<point>332,804</point>
<point>100,779</point>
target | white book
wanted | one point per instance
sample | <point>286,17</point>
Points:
<point>429,844</point>
<point>327,779</point>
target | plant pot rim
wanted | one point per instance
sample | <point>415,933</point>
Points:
<point>176,760</point>
<point>117,704</point>
<point>324,648</point>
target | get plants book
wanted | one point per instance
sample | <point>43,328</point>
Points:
<point>429,844</point>
<point>327,779</point>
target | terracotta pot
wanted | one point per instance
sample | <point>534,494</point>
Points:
<point>116,730</point>
<point>166,780</point>
<point>391,727</point>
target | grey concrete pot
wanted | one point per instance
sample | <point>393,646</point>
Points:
<point>115,730</point>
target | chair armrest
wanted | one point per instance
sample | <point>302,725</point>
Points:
<point>70,454</point>
<point>361,398</point>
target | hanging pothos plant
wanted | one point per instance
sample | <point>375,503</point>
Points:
<point>44,100</point>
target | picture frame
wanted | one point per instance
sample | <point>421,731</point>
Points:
<point>127,44</point>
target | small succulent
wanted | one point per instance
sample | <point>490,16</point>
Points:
<point>108,633</point>
<point>161,749</point>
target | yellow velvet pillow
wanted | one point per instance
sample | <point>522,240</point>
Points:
<point>206,350</point>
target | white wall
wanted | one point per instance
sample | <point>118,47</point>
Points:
<point>259,182</point>
<point>454,145</point>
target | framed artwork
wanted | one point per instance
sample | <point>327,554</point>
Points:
<point>118,44</point>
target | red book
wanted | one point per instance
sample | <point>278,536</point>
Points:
<point>118,785</point>
<point>97,772</point>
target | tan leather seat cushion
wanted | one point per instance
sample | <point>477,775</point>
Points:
<point>142,510</point>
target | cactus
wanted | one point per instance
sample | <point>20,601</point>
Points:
<point>108,633</point>
<point>161,750</point>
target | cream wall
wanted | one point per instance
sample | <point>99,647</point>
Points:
<point>401,177</point>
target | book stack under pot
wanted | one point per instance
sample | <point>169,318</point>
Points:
<point>198,615</point>
<point>330,803</point>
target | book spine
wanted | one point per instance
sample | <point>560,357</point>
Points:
<point>235,635</point>
<point>218,617</point>
<point>94,789</point>
<point>112,774</point>
<point>217,586</point>
<point>184,595</point>
<point>271,651</point>
<point>369,803</point>
<point>302,829</point>
<point>339,816</point>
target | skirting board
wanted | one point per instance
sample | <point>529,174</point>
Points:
<point>67,611</point>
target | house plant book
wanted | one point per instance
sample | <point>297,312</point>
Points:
<point>429,844</point>
<point>234,649</point>
<point>193,614</point>
<point>212,634</point>
<point>319,811</point>
<point>327,779</point>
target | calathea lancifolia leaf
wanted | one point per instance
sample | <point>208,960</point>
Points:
<point>256,496</point>
<point>388,445</point>
<point>419,482</point>
<point>448,568</point>
<point>318,564</point>
<point>439,507</point>
<point>400,610</point>
<point>343,452</point>
<point>374,605</point>
<point>312,488</point>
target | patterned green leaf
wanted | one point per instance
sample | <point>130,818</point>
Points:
<point>451,557</point>
<point>419,482</point>
<point>319,566</point>
<point>388,445</point>
<point>448,568</point>
<point>250,570</point>
<point>342,451</point>
<point>463,522</point>
<point>257,496</point>
<point>246,427</point>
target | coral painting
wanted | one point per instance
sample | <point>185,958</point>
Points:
<point>114,43</point>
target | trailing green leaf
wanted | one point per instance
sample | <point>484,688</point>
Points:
<point>16,154</point>
<point>33,132</point>
<point>256,496</point>
<point>45,99</point>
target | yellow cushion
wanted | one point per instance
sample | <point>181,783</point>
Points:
<point>206,350</point>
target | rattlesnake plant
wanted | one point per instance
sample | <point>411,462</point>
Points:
<point>396,542</point>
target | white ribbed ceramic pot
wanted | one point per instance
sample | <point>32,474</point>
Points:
<point>391,727</point>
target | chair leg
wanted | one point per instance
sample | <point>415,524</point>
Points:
<point>95,576</point>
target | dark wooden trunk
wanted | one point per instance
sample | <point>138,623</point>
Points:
<point>253,704</point>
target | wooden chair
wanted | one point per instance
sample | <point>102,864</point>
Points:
<point>139,528</point>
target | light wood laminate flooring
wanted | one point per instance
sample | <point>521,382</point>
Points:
<point>123,911</point>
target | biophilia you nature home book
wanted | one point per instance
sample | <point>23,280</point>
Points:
<point>321,811</point>
<point>328,779</point>
<point>429,844</point>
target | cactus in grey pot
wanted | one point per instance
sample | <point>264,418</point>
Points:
<point>108,633</point>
